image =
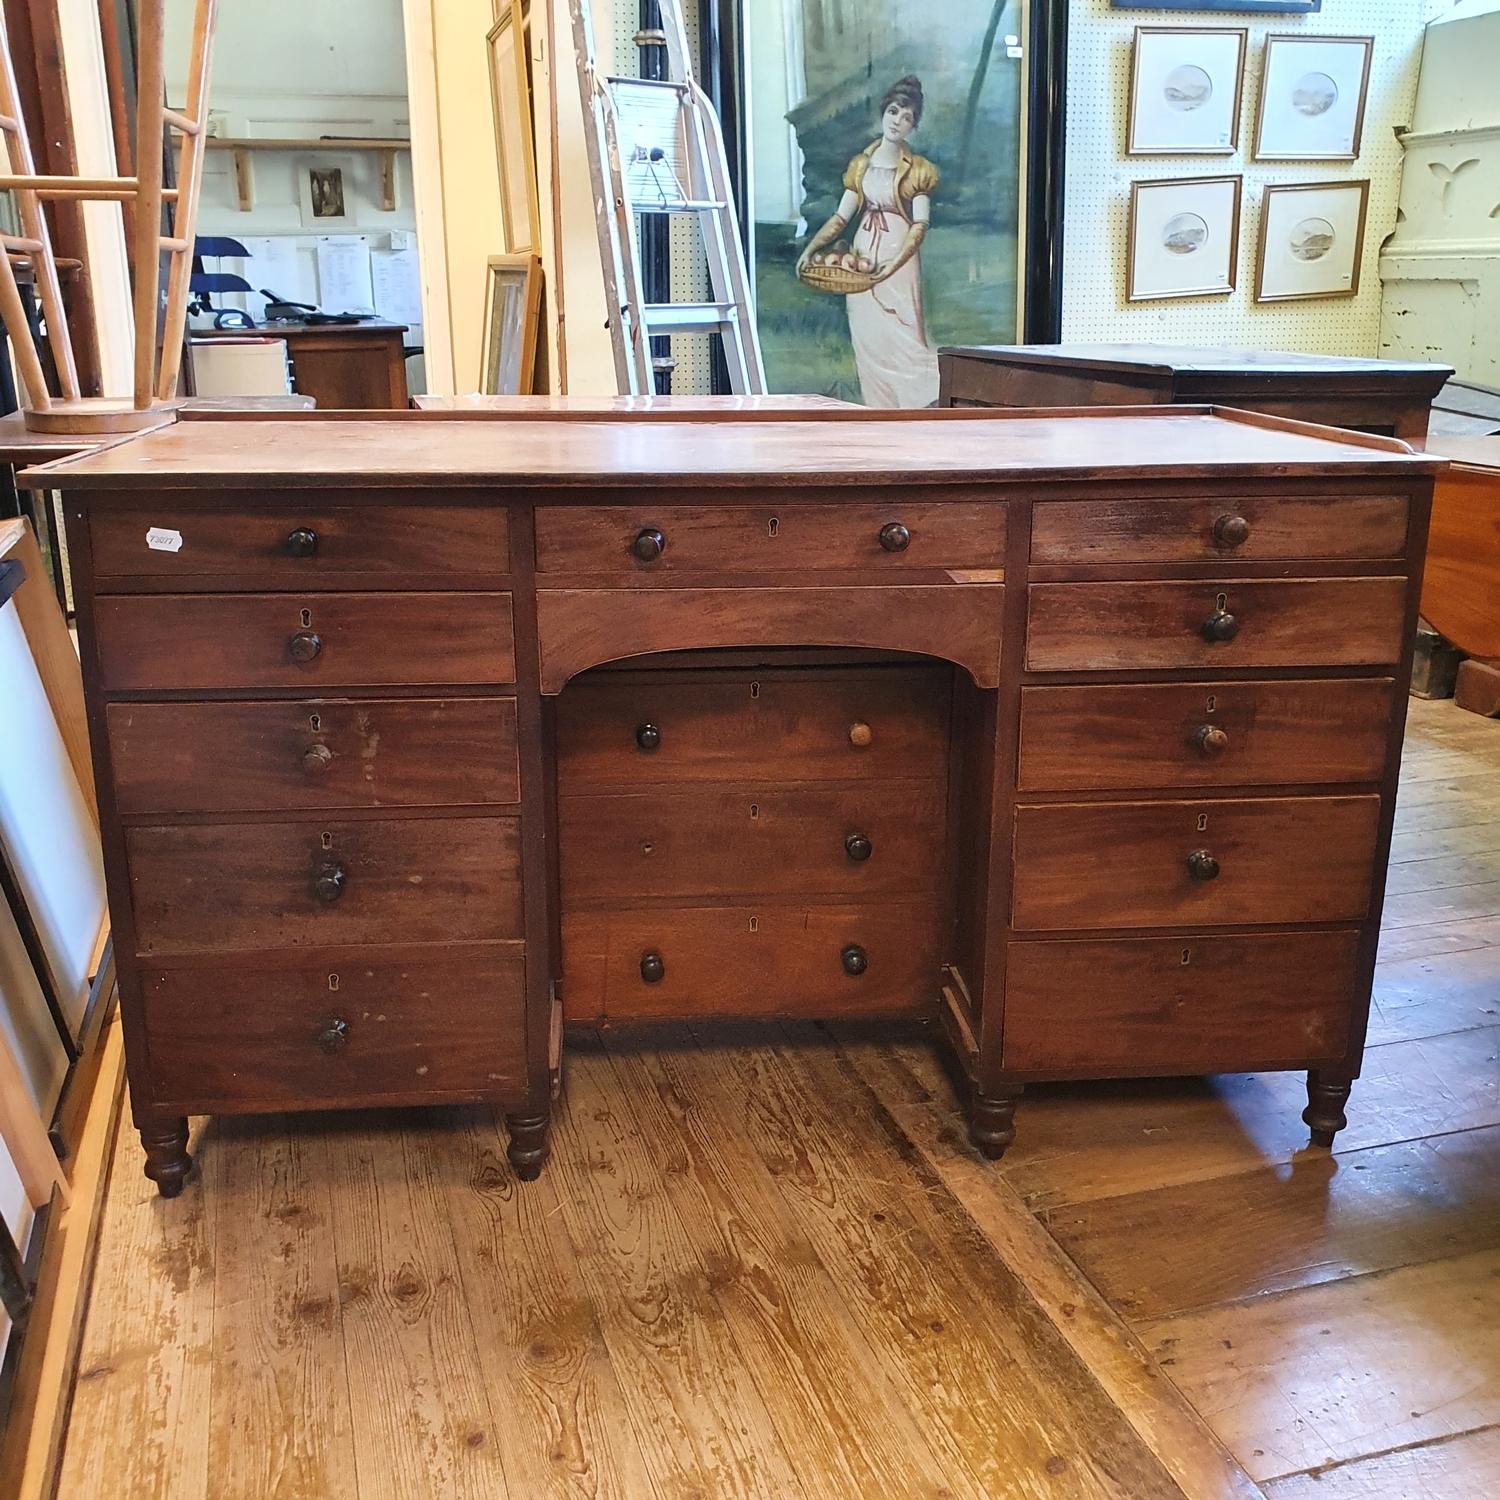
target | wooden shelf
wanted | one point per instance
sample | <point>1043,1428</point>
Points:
<point>244,177</point>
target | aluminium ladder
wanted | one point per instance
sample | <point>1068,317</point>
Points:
<point>655,147</point>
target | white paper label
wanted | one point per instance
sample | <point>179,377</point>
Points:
<point>160,539</point>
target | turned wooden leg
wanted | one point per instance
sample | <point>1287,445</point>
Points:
<point>528,1144</point>
<point>1327,1094</point>
<point>992,1121</point>
<point>167,1159</point>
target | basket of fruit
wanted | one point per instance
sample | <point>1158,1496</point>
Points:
<point>839,271</point>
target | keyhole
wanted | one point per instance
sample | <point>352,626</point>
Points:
<point>333,981</point>
<point>755,809</point>
<point>315,721</point>
<point>306,618</point>
<point>755,690</point>
<point>754,924</point>
<point>773,526</point>
<point>1220,600</point>
<point>1202,822</point>
<point>327,841</point>
<point>1211,703</point>
<point>1187,955</point>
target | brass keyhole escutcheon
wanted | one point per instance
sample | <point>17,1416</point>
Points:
<point>326,840</point>
<point>1202,822</point>
<point>1211,703</point>
<point>305,617</point>
<point>773,526</point>
<point>755,690</point>
<point>755,809</point>
<point>315,722</point>
<point>333,981</point>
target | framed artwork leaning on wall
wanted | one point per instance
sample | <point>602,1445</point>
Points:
<point>1312,237</point>
<point>1184,237</point>
<point>1185,91</point>
<point>512,325</point>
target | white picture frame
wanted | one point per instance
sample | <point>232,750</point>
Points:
<point>1185,88</point>
<point>1312,240</point>
<point>1312,97</point>
<point>1184,237</point>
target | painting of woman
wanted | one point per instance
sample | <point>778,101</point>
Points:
<point>888,197</point>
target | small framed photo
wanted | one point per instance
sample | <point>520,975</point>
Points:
<point>1184,237</point>
<point>1312,97</point>
<point>512,325</point>
<point>1185,91</point>
<point>1312,237</point>
<point>323,195</point>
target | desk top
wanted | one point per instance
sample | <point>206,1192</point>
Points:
<point>1188,359</point>
<point>271,329</point>
<point>683,406</point>
<point>832,447</point>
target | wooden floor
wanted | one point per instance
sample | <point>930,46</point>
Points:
<point>764,1263</point>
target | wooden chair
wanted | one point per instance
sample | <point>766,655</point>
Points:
<point>154,388</point>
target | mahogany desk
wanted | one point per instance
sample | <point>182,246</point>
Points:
<point>1076,734</point>
<point>342,366</point>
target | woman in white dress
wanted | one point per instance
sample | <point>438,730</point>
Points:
<point>888,188</point>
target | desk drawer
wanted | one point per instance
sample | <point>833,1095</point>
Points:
<point>267,1035</point>
<point>1206,734</point>
<point>626,728</point>
<point>313,753</point>
<point>1202,1004</point>
<point>752,840</point>
<point>1168,864</point>
<point>655,536</point>
<point>751,960</point>
<point>202,642</point>
<point>1249,529</point>
<point>310,545</point>
<point>1309,622</point>
<point>226,887</point>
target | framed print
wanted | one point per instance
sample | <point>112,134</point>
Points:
<point>1185,91</point>
<point>515,145</point>
<point>1312,235</point>
<point>1312,97</point>
<point>322,194</point>
<point>1226,7</point>
<point>1184,237</point>
<point>512,325</point>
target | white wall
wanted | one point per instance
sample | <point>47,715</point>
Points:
<point>1099,174</point>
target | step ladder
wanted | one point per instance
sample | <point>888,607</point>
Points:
<point>656,147</point>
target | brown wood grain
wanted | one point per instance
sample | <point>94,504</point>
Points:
<point>737,723</point>
<point>1106,736</point>
<point>767,839</point>
<point>1461,585</point>
<point>1123,864</point>
<point>207,888</point>
<point>1080,532</point>
<point>948,529</point>
<point>243,536</point>
<point>1194,1004</point>
<point>228,1036</point>
<point>1465,1466</point>
<point>216,641</point>
<point>751,959</point>
<point>264,757</point>
<point>1282,623</point>
<point>957,622</point>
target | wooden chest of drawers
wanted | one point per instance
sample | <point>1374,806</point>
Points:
<point>1076,734</point>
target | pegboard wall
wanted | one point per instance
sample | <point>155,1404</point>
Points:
<point>1099,174</point>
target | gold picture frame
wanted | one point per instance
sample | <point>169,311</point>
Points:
<point>1291,278</point>
<point>509,41</point>
<point>512,325</point>
<point>1183,238</point>
<point>1149,132</point>
<point>1310,116</point>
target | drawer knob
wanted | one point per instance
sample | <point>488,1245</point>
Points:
<point>328,882</point>
<point>1220,626</point>
<point>858,848</point>
<point>303,542</point>
<point>1201,865</point>
<point>653,970</point>
<point>306,645</point>
<point>647,737</point>
<point>1210,741</point>
<point>316,758</point>
<point>854,959</point>
<point>334,1035</point>
<point>649,544</point>
<point>1231,531</point>
<point>860,734</point>
<point>894,537</point>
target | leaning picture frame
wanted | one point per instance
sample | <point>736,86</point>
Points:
<point>1184,238</point>
<point>1185,86</point>
<point>512,325</point>
<point>515,137</point>
<point>1312,240</point>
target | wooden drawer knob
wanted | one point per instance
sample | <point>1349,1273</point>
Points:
<point>860,734</point>
<point>1201,865</point>
<point>653,969</point>
<point>306,645</point>
<point>334,1036</point>
<point>1231,531</point>
<point>894,537</point>
<point>316,759</point>
<point>328,882</point>
<point>303,542</point>
<point>1220,626</point>
<point>1210,741</point>
<point>647,737</point>
<point>649,544</point>
<point>854,959</point>
<point>858,848</point>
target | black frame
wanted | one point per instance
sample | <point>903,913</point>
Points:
<point>1046,90</point>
